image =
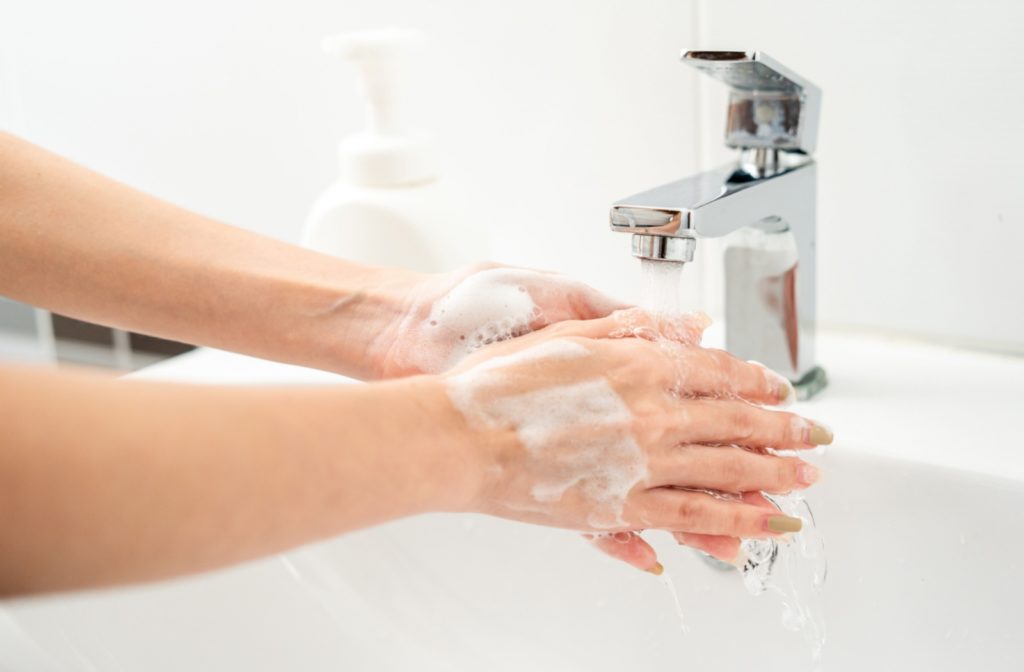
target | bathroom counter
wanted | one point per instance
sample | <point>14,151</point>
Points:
<point>903,399</point>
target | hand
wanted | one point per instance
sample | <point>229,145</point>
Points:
<point>605,435</point>
<point>631,548</point>
<point>445,318</point>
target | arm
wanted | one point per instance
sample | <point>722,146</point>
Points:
<point>80,244</point>
<point>109,481</point>
<point>83,245</point>
<point>183,479</point>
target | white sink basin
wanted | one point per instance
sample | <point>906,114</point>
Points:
<point>922,541</point>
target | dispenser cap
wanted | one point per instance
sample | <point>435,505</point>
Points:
<point>386,152</point>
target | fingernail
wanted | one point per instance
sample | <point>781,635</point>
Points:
<point>781,388</point>
<point>780,523</point>
<point>807,474</point>
<point>820,435</point>
<point>657,569</point>
<point>784,391</point>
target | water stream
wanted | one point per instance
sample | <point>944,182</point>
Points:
<point>792,568</point>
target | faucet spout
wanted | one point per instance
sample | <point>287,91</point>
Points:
<point>716,202</point>
<point>764,203</point>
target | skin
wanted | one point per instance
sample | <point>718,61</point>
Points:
<point>85,246</point>
<point>696,416</point>
<point>188,478</point>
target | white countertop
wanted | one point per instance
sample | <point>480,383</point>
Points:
<point>903,399</point>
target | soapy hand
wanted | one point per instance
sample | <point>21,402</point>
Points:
<point>445,318</point>
<point>624,423</point>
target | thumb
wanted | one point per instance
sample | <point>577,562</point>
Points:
<point>629,547</point>
<point>686,329</point>
<point>589,303</point>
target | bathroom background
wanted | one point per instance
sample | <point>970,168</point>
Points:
<point>545,113</point>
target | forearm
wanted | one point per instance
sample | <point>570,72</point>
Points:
<point>105,481</point>
<point>86,246</point>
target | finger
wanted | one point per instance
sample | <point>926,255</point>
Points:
<point>636,322</point>
<point>560,299</point>
<point>726,549</point>
<point>706,372</point>
<point>757,499</point>
<point>629,547</point>
<point>683,328</point>
<point>727,422</point>
<point>699,513</point>
<point>588,303</point>
<point>599,327</point>
<point>729,469</point>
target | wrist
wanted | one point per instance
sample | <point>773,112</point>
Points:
<point>476,454</point>
<point>452,463</point>
<point>347,317</point>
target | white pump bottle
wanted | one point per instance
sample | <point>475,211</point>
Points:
<point>389,207</point>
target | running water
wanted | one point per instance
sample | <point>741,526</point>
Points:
<point>792,568</point>
<point>667,580</point>
<point>660,283</point>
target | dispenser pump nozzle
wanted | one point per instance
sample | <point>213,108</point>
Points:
<point>387,152</point>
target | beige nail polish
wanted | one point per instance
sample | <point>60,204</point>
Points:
<point>782,523</point>
<point>781,393</point>
<point>820,435</point>
<point>784,392</point>
<point>781,388</point>
<point>657,569</point>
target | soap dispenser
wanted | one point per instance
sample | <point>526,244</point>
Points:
<point>389,206</point>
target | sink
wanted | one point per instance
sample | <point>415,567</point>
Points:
<point>920,508</point>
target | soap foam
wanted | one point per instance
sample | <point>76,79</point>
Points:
<point>488,306</point>
<point>576,436</point>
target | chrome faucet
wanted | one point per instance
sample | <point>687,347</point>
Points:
<point>764,202</point>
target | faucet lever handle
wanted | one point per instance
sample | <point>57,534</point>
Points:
<point>770,106</point>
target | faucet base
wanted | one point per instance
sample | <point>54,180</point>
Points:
<point>715,563</point>
<point>813,382</point>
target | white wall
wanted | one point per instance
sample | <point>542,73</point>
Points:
<point>548,111</point>
<point>921,156</point>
